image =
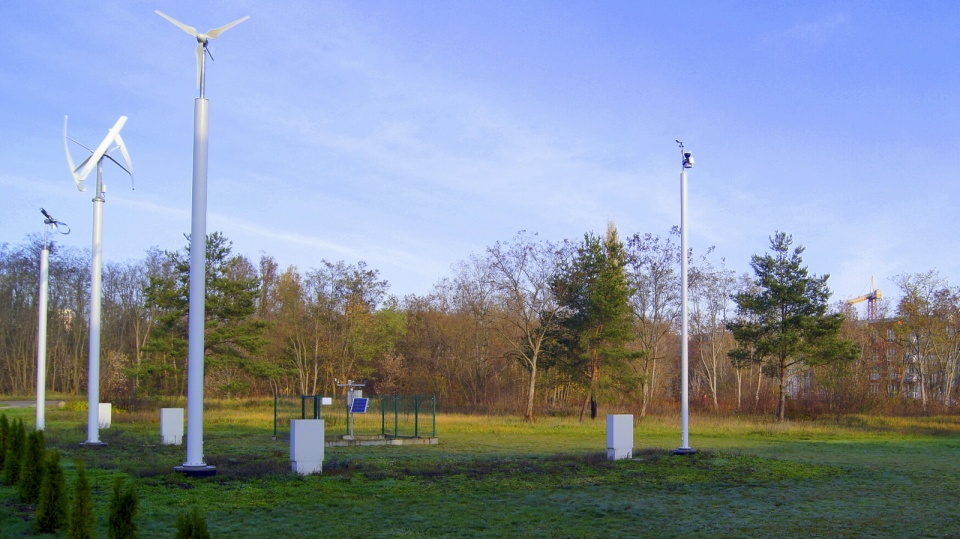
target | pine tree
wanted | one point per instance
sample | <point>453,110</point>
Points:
<point>784,322</point>
<point>593,290</point>
<point>123,509</point>
<point>82,516</point>
<point>31,468</point>
<point>233,336</point>
<point>52,506</point>
<point>11,464</point>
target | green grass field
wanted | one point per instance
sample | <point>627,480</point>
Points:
<point>499,477</point>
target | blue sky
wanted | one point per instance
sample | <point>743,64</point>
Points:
<point>412,134</point>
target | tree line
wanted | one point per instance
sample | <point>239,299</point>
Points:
<point>527,326</point>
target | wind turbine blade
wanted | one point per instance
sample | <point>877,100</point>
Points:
<point>126,158</point>
<point>188,29</point>
<point>102,148</point>
<point>66,148</point>
<point>200,49</point>
<point>115,162</point>
<point>212,34</point>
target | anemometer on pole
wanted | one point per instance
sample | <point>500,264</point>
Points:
<point>80,174</point>
<point>687,162</point>
<point>49,223</point>
<point>195,465</point>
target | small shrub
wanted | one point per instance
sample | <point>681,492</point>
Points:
<point>82,517</point>
<point>192,526</point>
<point>123,509</point>
<point>31,468</point>
<point>11,463</point>
<point>52,506</point>
<point>4,436</point>
<point>76,406</point>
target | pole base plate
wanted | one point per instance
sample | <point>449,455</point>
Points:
<point>93,445</point>
<point>196,471</point>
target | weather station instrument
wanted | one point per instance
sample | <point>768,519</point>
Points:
<point>49,223</point>
<point>686,160</point>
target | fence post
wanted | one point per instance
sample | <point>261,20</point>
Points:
<point>396,415</point>
<point>275,397</point>
<point>316,406</point>
<point>416,416</point>
<point>434,415</point>
<point>383,416</point>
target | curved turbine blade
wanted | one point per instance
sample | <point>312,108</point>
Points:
<point>73,169</point>
<point>188,29</point>
<point>212,34</point>
<point>126,158</point>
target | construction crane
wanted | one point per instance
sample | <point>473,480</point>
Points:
<point>872,298</point>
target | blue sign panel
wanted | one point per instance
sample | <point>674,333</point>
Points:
<point>359,405</point>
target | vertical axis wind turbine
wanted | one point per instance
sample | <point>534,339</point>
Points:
<point>49,223</point>
<point>80,173</point>
<point>684,449</point>
<point>195,466</point>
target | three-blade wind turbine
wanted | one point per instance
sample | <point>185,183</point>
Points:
<point>80,173</point>
<point>198,234</point>
<point>202,40</point>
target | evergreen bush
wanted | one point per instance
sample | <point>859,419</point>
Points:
<point>4,436</point>
<point>31,468</point>
<point>123,509</point>
<point>52,506</point>
<point>192,526</point>
<point>11,463</point>
<point>82,517</point>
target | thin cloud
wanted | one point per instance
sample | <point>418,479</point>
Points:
<point>814,33</point>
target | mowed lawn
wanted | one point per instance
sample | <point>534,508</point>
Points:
<point>500,477</point>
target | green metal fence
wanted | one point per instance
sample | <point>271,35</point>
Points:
<point>409,416</point>
<point>394,416</point>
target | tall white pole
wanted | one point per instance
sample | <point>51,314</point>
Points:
<point>96,290</point>
<point>42,334</point>
<point>685,448</point>
<point>196,319</point>
<point>198,250</point>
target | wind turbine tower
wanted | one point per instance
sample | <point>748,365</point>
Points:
<point>80,173</point>
<point>195,466</point>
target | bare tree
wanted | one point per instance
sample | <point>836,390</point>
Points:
<point>711,288</point>
<point>521,272</point>
<point>652,273</point>
<point>928,333</point>
<point>479,347</point>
